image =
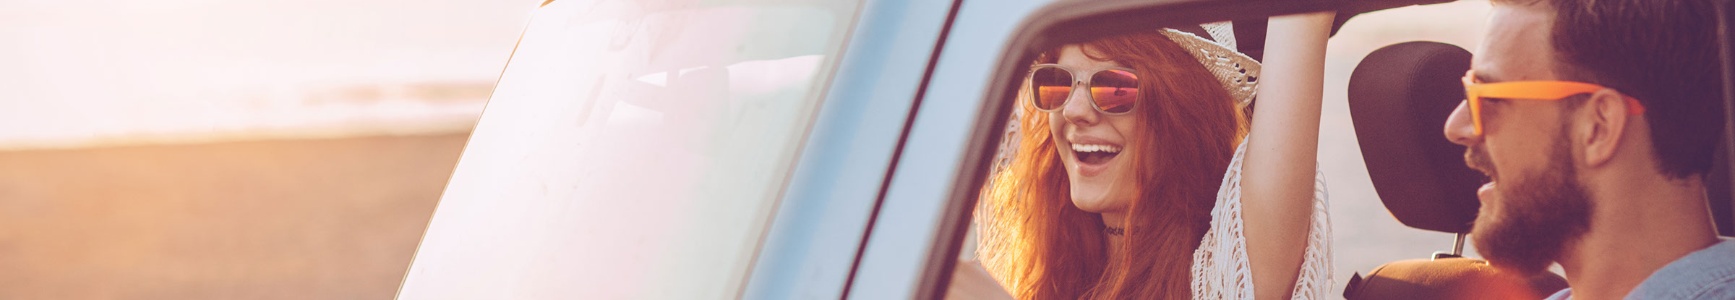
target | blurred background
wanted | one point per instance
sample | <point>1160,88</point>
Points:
<point>203,149</point>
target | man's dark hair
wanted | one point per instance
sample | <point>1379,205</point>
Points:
<point>1662,52</point>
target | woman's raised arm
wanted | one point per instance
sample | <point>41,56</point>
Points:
<point>1277,176</point>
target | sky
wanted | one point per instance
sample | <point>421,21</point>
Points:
<point>80,73</point>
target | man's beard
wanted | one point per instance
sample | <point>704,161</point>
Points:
<point>1539,215</point>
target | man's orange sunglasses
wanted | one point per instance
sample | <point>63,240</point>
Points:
<point>1528,90</point>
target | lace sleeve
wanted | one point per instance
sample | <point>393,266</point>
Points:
<point>1220,267</point>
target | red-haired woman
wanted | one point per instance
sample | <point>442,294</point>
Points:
<point>1136,175</point>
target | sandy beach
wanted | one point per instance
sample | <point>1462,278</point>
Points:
<point>280,219</point>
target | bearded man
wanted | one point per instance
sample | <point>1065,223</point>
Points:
<point>1595,122</point>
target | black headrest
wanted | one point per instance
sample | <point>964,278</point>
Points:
<point>1399,98</point>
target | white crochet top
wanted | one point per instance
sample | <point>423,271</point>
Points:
<point>1220,267</point>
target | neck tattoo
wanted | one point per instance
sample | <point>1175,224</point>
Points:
<point>1111,230</point>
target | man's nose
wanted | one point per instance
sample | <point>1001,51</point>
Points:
<point>1078,108</point>
<point>1460,129</point>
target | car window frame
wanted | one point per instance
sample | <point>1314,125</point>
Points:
<point>950,206</point>
<point>811,247</point>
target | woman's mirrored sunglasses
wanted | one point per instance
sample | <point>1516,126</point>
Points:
<point>1112,91</point>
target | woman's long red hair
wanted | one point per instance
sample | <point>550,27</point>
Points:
<point>1055,250</point>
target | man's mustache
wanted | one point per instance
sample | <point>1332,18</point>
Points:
<point>1476,158</point>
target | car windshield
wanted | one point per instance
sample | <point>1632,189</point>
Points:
<point>632,149</point>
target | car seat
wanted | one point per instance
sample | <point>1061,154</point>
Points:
<point>1399,98</point>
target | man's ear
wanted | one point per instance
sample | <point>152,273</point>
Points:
<point>1605,117</point>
